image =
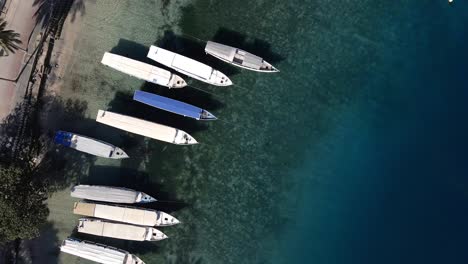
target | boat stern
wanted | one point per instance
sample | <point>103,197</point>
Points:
<point>145,198</point>
<point>267,67</point>
<point>165,219</point>
<point>136,260</point>
<point>205,115</point>
<point>183,138</point>
<point>177,82</point>
<point>220,79</point>
<point>155,235</point>
<point>118,153</point>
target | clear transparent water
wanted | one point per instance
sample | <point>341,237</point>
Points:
<point>314,164</point>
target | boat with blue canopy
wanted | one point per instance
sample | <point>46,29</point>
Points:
<point>89,145</point>
<point>173,106</point>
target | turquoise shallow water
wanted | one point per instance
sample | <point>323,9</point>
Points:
<point>351,154</point>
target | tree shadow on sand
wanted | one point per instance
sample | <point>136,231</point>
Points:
<point>45,248</point>
<point>53,13</point>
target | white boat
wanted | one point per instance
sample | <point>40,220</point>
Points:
<point>110,194</point>
<point>89,145</point>
<point>189,67</point>
<point>130,215</point>
<point>145,128</point>
<point>143,71</point>
<point>238,57</point>
<point>105,228</point>
<point>98,253</point>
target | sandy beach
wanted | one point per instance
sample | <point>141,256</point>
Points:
<point>63,53</point>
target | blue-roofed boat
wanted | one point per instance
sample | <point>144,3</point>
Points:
<point>89,145</point>
<point>173,106</point>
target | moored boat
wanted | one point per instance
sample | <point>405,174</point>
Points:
<point>105,228</point>
<point>189,67</point>
<point>89,145</point>
<point>143,71</point>
<point>238,57</point>
<point>145,128</point>
<point>130,215</point>
<point>172,106</point>
<point>110,194</point>
<point>98,253</point>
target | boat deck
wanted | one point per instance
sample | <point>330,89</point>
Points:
<point>114,230</point>
<point>129,215</point>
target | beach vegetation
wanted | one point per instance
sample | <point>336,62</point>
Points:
<point>32,167</point>
<point>9,39</point>
<point>22,203</point>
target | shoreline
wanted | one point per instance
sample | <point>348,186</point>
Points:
<point>62,54</point>
<point>45,84</point>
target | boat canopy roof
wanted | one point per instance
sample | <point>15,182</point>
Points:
<point>221,50</point>
<point>234,55</point>
<point>63,138</point>
<point>105,193</point>
<point>180,63</point>
<point>132,215</point>
<point>252,61</point>
<point>168,104</point>
<point>98,253</point>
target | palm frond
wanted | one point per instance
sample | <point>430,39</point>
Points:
<point>9,39</point>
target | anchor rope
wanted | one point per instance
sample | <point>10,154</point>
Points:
<point>190,36</point>
<point>200,89</point>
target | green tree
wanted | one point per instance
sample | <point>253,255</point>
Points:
<point>22,203</point>
<point>9,40</point>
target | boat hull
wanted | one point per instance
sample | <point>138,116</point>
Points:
<point>173,106</point>
<point>129,215</point>
<point>98,253</point>
<point>118,230</point>
<point>110,194</point>
<point>245,67</point>
<point>189,67</point>
<point>89,145</point>
<point>143,71</point>
<point>238,57</point>
<point>145,128</point>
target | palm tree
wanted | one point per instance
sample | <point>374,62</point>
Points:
<point>9,40</point>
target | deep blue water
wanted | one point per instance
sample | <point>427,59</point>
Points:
<point>392,184</point>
